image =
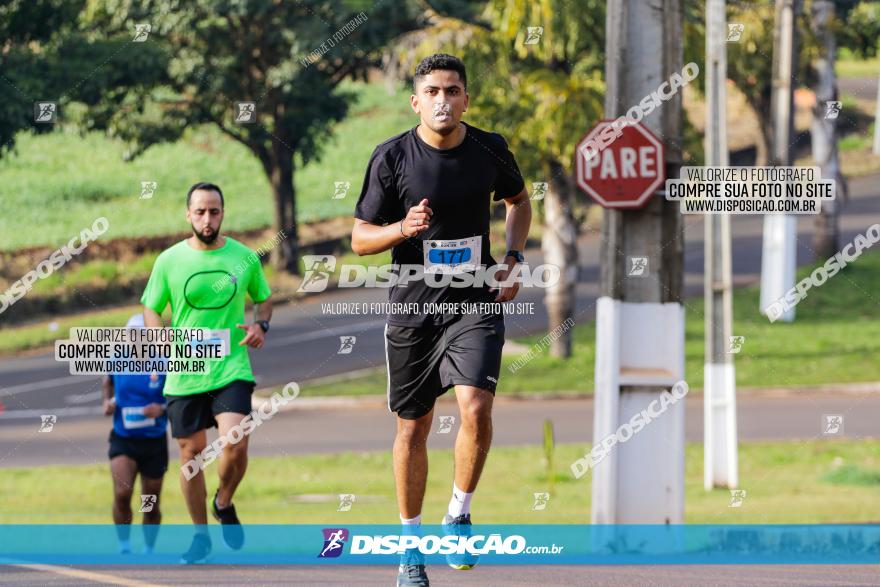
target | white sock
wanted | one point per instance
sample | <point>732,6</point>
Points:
<point>411,526</point>
<point>460,502</point>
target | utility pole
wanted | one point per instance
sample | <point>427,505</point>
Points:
<point>824,131</point>
<point>720,462</point>
<point>639,315</point>
<point>779,256</point>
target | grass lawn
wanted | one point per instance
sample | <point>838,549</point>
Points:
<point>793,482</point>
<point>848,67</point>
<point>59,183</point>
<point>835,338</point>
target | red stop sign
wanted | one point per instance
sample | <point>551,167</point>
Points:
<point>620,166</point>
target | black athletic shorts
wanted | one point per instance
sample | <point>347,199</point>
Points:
<point>425,361</point>
<point>190,413</point>
<point>150,454</point>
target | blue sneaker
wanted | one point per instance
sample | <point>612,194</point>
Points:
<point>411,572</point>
<point>233,535</point>
<point>459,526</point>
<point>198,552</point>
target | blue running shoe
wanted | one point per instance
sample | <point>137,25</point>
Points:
<point>459,526</point>
<point>411,572</point>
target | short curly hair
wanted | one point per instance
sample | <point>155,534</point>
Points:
<point>440,61</point>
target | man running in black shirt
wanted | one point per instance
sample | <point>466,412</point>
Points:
<point>427,196</point>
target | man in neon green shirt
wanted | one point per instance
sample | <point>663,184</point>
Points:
<point>205,278</point>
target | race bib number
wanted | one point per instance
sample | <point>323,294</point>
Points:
<point>452,256</point>
<point>133,417</point>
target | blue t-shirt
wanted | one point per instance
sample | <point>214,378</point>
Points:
<point>133,392</point>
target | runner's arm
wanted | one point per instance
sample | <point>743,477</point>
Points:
<point>109,395</point>
<point>152,319</point>
<point>518,221</point>
<point>263,310</point>
<point>519,218</point>
<point>369,239</point>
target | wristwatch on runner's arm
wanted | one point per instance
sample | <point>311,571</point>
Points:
<point>516,255</point>
<point>264,324</point>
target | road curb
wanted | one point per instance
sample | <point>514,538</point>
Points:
<point>378,400</point>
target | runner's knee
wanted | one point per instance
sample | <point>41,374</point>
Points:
<point>477,411</point>
<point>414,431</point>
<point>122,496</point>
<point>236,451</point>
<point>154,516</point>
<point>189,448</point>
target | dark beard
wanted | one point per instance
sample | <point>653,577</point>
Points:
<point>205,239</point>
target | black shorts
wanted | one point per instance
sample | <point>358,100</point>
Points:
<point>425,361</point>
<point>150,454</point>
<point>190,413</point>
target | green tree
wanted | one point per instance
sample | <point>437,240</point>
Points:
<point>288,58</point>
<point>862,31</point>
<point>46,58</point>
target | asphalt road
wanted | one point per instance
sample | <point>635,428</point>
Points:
<point>304,341</point>
<point>517,422</point>
<point>507,576</point>
<point>864,88</point>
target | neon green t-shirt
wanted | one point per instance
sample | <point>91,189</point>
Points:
<point>206,289</point>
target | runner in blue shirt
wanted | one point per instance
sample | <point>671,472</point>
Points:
<point>138,444</point>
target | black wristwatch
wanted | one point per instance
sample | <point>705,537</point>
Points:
<point>264,324</point>
<point>516,255</point>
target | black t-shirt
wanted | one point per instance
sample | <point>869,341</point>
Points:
<point>458,183</point>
